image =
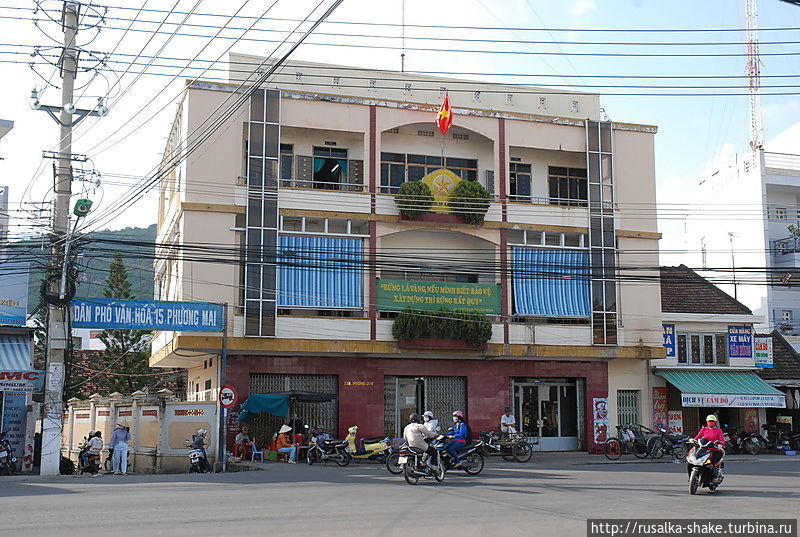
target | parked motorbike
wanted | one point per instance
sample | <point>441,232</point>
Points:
<point>775,439</point>
<point>703,472</point>
<point>732,439</point>
<point>665,443</point>
<point>413,466</point>
<point>7,459</point>
<point>752,443</point>
<point>472,460</point>
<point>328,450</point>
<point>374,449</point>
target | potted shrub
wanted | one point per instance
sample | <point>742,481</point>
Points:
<point>442,329</point>
<point>414,198</point>
<point>470,201</point>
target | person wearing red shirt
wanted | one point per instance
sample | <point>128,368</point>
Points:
<point>713,433</point>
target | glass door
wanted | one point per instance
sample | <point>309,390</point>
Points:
<point>409,399</point>
<point>548,401</point>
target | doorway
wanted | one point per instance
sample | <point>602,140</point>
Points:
<point>406,395</point>
<point>548,410</point>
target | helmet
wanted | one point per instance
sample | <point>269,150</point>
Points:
<point>201,432</point>
<point>428,414</point>
<point>414,418</point>
<point>711,417</point>
<point>459,414</point>
<point>508,409</point>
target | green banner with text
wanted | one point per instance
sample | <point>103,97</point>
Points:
<point>397,295</point>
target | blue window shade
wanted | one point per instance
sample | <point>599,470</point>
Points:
<point>320,272</point>
<point>550,282</point>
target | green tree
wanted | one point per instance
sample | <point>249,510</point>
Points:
<point>127,351</point>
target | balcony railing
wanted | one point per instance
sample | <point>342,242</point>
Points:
<point>789,245</point>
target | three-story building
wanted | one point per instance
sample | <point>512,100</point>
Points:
<point>288,213</point>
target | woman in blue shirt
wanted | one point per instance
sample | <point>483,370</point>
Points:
<point>460,437</point>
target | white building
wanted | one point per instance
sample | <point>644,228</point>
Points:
<point>739,233</point>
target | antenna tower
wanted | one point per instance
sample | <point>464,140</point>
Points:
<point>754,75</point>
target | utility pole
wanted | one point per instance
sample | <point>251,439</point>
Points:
<point>733,266</point>
<point>57,313</point>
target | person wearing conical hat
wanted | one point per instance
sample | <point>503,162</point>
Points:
<point>119,443</point>
<point>284,446</point>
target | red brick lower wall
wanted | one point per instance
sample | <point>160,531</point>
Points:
<point>362,404</point>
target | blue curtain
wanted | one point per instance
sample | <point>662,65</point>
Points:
<point>318,164</point>
<point>551,282</point>
<point>320,272</point>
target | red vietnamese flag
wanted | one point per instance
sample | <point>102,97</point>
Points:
<point>444,119</point>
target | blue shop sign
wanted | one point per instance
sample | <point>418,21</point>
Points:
<point>669,339</point>
<point>740,341</point>
<point>117,313</point>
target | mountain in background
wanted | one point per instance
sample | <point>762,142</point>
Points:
<point>94,259</point>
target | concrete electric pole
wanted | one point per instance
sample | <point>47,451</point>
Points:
<point>56,322</point>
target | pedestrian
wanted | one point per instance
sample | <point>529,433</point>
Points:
<point>119,443</point>
<point>508,423</point>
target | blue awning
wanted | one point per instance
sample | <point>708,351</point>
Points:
<point>320,272</point>
<point>551,282</point>
<point>15,353</point>
<point>277,405</point>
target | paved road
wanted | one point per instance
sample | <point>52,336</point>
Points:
<point>553,496</point>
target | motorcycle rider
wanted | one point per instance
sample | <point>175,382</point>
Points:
<point>93,446</point>
<point>459,434</point>
<point>431,423</point>
<point>713,433</point>
<point>198,442</point>
<point>415,434</point>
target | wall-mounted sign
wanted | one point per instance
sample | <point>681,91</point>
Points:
<point>669,339</point>
<point>675,421</point>
<point>13,293</point>
<point>740,342</point>
<point>732,400</point>
<point>396,295</point>
<point>600,419</point>
<point>762,351</point>
<point>442,184</point>
<point>21,381</point>
<point>659,407</point>
<point>146,315</point>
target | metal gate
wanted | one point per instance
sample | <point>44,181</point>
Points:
<point>441,395</point>
<point>444,395</point>
<point>326,415</point>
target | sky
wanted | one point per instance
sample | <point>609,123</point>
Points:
<point>694,132</point>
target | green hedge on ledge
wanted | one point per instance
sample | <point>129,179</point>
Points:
<point>470,201</point>
<point>472,328</point>
<point>414,198</point>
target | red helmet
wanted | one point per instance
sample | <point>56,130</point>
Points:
<point>459,414</point>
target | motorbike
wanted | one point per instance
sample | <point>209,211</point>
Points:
<point>752,443</point>
<point>732,439</point>
<point>667,444</point>
<point>410,460</point>
<point>197,461</point>
<point>472,460</point>
<point>7,459</point>
<point>702,471</point>
<point>375,449</point>
<point>328,450</point>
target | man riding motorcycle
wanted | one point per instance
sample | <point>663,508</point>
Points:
<point>715,434</point>
<point>415,434</point>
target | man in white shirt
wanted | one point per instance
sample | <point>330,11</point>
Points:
<point>508,423</point>
<point>431,423</point>
<point>415,434</point>
<point>94,445</point>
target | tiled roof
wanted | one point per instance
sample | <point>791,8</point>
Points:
<point>786,360</point>
<point>685,291</point>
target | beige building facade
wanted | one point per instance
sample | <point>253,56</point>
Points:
<point>288,213</point>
